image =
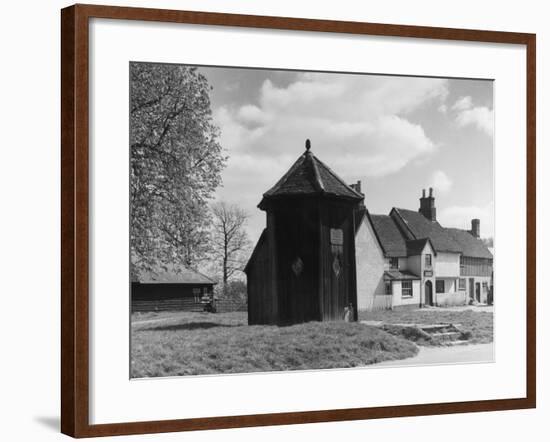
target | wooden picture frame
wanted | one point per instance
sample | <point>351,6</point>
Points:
<point>75,219</point>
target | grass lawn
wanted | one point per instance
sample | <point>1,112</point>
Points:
<point>183,343</point>
<point>478,325</point>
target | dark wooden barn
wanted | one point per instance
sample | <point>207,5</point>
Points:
<point>303,266</point>
<point>170,288</point>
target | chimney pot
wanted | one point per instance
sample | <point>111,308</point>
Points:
<point>431,192</point>
<point>423,193</point>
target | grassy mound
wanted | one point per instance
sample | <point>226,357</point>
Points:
<point>197,343</point>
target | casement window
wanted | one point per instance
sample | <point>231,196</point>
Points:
<point>440,286</point>
<point>428,260</point>
<point>462,284</point>
<point>406,289</point>
<point>394,263</point>
<point>388,288</point>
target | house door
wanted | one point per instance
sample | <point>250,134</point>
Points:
<point>471,288</point>
<point>428,293</point>
<point>478,292</point>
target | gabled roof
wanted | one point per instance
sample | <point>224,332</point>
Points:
<point>172,274</point>
<point>399,275</point>
<point>310,176</point>
<point>388,235</point>
<point>471,246</point>
<point>416,246</point>
<point>419,227</point>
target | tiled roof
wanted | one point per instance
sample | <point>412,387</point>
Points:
<point>173,274</point>
<point>420,227</point>
<point>388,235</point>
<point>399,275</point>
<point>471,246</point>
<point>310,176</point>
<point>415,246</point>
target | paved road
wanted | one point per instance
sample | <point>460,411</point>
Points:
<point>446,355</point>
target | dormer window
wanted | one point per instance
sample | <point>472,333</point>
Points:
<point>394,263</point>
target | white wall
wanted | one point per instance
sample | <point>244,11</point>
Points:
<point>29,179</point>
<point>370,264</point>
<point>397,292</point>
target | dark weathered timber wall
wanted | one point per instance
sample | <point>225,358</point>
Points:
<point>258,286</point>
<point>337,291</point>
<point>161,297</point>
<point>176,304</point>
<point>297,237</point>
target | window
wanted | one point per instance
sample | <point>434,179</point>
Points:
<point>394,263</point>
<point>462,284</point>
<point>388,288</point>
<point>439,286</point>
<point>428,260</point>
<point>197,294</point>
<point>406,289</point>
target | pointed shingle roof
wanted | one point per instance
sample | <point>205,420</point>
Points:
<point>310,176</point>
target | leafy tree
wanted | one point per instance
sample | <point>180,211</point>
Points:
<point>230,240</point>
<point>176,162</point>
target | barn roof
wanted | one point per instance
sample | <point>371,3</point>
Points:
<point>172,274</point>
<point>420,227</point>
<point>388,235</point>
<point>310,176</point>
<point>471,246</point>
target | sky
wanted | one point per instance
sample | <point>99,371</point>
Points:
<point>396,134</point>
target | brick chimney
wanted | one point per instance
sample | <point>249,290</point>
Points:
<point>356,187</point>
<point>427,205</point>
<point>475,227</point>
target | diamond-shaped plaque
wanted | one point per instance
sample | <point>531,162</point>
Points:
<point>336,266</point>
<point>297,266</point>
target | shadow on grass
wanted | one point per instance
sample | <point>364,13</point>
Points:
<point>189,326</point>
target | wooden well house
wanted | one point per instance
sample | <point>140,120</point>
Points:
<point>303,266</point>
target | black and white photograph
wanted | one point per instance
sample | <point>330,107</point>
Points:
<point>291,220</point>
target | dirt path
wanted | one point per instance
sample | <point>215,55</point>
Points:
<point>446,355</point>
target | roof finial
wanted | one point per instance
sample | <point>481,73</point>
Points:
<point>308,144</point>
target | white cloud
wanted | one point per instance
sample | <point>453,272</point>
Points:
<point>359,117</point>
<point>440,181</point>
<point>481,117</point>
<point>478,116</point>
<point>442,108</point>
<point>462,103</point>
<point>461,217</point>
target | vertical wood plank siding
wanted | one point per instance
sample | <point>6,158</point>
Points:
<point>475,266</point>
